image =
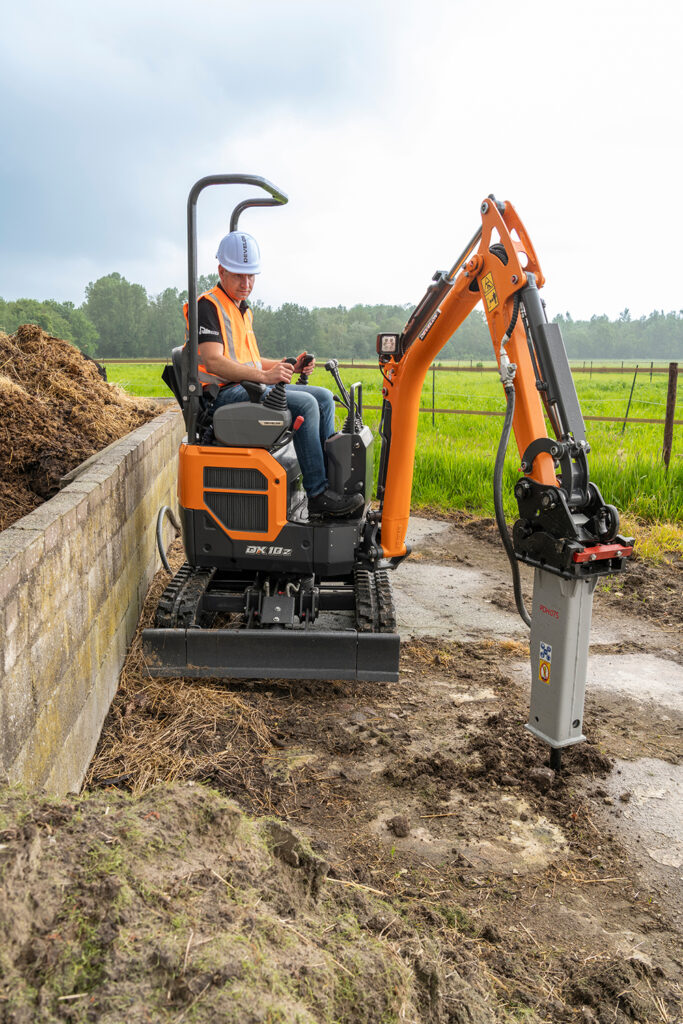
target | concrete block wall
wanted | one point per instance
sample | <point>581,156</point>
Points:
<point>73,576</point>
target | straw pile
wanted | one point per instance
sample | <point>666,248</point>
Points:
<point>57,411</point>
<point>172,730</point>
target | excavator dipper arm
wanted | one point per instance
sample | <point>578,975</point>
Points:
<point>565,530</point>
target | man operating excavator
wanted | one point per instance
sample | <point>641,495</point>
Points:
<point>228,354</point>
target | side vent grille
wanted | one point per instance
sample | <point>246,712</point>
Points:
<point>243,512</point>
<point>231,479</point>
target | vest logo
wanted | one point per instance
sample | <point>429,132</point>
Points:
<point>549,611</point>
<point>205,330</point>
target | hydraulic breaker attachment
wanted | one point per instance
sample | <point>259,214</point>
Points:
<point>560,634</point>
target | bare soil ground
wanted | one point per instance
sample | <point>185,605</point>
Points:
<point>364,852</point>
<point>57,412</point>
<point>338,852</point>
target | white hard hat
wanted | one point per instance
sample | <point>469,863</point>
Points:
<point>239,253</point>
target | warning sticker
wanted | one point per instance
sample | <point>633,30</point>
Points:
<point>489,290</point>
<point>545,658</point>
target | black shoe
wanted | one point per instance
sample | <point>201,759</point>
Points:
<point>329,503</point>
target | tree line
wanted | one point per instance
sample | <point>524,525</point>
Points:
<point>118,319</point>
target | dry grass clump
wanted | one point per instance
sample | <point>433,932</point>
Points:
<point>168,730</point>
<point>57,411</point>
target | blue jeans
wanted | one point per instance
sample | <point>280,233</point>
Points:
<point>316,405</point>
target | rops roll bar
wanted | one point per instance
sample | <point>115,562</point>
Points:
<point>191,389</point>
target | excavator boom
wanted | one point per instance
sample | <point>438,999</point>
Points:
<point>565,530</point>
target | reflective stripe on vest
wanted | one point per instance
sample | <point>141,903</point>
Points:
<point>237,332</point>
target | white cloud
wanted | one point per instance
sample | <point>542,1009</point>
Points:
<point>386,123</point>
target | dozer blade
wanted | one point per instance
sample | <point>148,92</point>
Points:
<point>271,654</point>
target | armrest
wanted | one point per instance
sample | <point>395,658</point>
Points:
<point>254,390</point>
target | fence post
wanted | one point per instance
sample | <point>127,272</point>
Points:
<point>669,417</point>
<point>623,426</point>
<point>590,375</point>
<point>651,365</point>
<point>433,390</point>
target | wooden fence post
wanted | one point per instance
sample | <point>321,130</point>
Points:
<point>433,390</point>
<point>669,417</point>
<point>623,427</point>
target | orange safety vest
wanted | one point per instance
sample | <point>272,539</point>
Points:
<point>237,331</point>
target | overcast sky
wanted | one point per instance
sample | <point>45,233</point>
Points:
<point>385,121</point>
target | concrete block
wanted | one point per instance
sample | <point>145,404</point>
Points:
<point>17,714</point>
<point>20,552</point>
<point>47,513</point>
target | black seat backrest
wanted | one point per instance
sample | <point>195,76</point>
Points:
<point>172,374</point>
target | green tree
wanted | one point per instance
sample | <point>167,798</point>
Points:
<point>165,323</point>
<point>60,319</point>
<point>118,309</point>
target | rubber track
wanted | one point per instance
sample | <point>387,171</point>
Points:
<point>179,603</point>
<point>366,604</point>
<point>165,616</point>
<point>386,613</point>
<point>189,612</point>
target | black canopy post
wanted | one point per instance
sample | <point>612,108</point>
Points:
<point>192,388</point>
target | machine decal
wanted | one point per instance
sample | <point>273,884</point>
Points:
<point>546,654</point>
<point>428,326</point>
<point>489,290</point>
<point>264,549</point>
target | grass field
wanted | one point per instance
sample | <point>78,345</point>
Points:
<point>454,461</point>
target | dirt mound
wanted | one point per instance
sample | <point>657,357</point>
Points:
<point>57,411</point>
<point>176,906</point>
<point>482,885</point>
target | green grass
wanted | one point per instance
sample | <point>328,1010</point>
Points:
<point>455,455</point>
<point>140,379</point>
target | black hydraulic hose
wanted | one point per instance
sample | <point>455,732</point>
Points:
<point>165,511</point>
<point>513,321</point>
<point>498,503</point>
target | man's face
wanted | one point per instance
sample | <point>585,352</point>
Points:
<point>238,286</point>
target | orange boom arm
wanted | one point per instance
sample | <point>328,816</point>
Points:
<point>493,269</point>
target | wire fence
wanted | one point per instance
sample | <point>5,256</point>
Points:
<point>668,421</point>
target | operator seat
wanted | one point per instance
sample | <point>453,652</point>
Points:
<point>241,424</point>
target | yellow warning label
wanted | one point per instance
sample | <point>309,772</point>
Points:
<point>544,672</point>
<point>489,291</point>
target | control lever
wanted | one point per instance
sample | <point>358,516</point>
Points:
<point>308,358</point>
<point>332,366</point>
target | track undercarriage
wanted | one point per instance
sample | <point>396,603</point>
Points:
<point>215,623</point>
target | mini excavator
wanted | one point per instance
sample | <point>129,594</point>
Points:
<point>267,593</point>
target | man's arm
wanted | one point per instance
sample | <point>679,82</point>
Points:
<point>229,370</point>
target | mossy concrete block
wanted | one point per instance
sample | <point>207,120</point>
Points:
<point>73,576</point>
<point>20,552</point>
<point>17,713</point>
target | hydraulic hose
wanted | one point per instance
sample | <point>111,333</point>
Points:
<point>498,503</point>
<point>165,511</point>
